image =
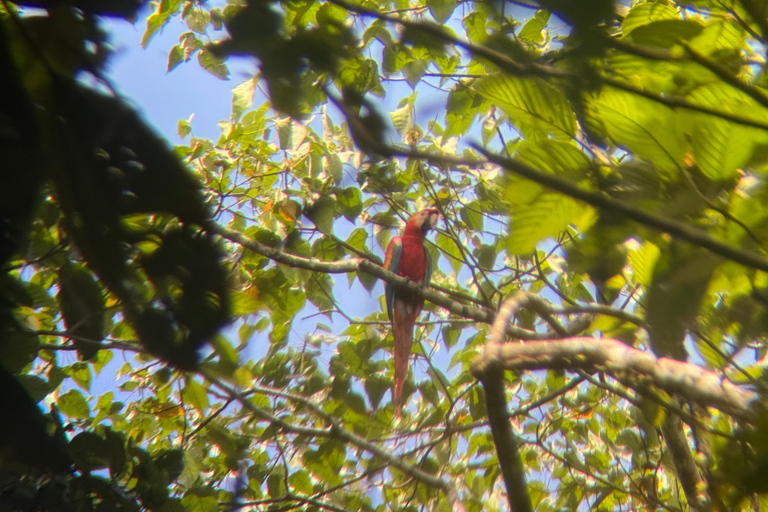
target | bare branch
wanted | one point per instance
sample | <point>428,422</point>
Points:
<point>687,473</point>
<point>492,378</point>
<point>631,366</point>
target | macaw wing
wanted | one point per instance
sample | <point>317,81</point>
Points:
<point>428,273</point>
<point>392,263</point>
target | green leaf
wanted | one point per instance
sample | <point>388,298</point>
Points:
<point>184,127</point>
<point>191,472</point>
<point>554,157</point>
<point>197,19</point>
<point>212,64</point>
<point>351,202</point>
<point>242,97</point>
<point>159,19</point>
<point>532,31</point>
<point>472,216</point>
<point>82,306</point>
<point>450,335</point>
<point>301,482</point>
<point>537,213</point>
<point>532,104</point>
<point>376,386</point>
<point>285,132</point>
<point>196,395</point>
<point>647,12</point>
<point>244,303</point>
<point>73,404</point>
<point>402,118</point>
<point>647,128</point>
<point>448,246</point>
<point>171,464</point>
<point>323,214</point>
<point>335,167</point>
<point>642,261</point>
<point>90,451</point>
<point>414,70</point>
<point>193,503</point>
<point>175,57</point>
<point>18,349</point>
<point>81,374</point>
<point>441,10</point>
<point>666,33</point>
<point>475,26</point>
<point>461,107</point>
<point>719,146</point>
<point>547,216</point>
<point>36,387</point>
<point>680,279</point>
<point>722,40</point>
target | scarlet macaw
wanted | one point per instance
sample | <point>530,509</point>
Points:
<point>407,257</point>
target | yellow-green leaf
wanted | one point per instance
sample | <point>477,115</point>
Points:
<point>647,12</point>
<point>647,128</point>
<point>531,104</point>
<point>547,216</point>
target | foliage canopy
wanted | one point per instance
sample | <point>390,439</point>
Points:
<point>596,327</point>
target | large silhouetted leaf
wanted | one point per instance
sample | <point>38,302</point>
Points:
<point>24,437</point>
<point>82,306</point>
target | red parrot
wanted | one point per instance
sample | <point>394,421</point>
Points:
<point>407,257</point>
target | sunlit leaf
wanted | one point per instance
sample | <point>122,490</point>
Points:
<point>73,404</point>
<point>649,129</point>
<point>531,103</point>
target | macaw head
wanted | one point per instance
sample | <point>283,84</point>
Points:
<point>424,220</point>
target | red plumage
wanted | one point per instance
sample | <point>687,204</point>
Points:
<point>407,257</point>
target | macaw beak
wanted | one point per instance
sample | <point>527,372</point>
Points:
<point>432,219</point>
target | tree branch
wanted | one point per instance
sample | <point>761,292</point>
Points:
<point>632,367</point>
<point>506,445</point>
<point>492,378</point>
<point>687,473</point>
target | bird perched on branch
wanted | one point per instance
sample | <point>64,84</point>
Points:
<point>407,257</point>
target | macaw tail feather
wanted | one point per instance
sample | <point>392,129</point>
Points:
<point>403,334</point>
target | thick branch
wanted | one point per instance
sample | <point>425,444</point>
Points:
<point>629,365</point>
<point>687,472</point>
<point>492,378</point>
<point>507,448</point>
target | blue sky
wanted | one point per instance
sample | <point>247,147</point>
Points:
<point>164,98</point>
